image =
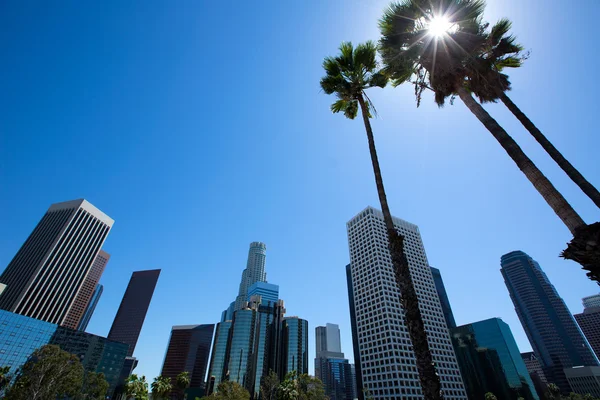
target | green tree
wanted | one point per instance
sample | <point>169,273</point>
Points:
<point>269,386</point>
<point>182,382</point>
<point>5,379</point>
<point>228,390</point>
<point>348,76</point>
<point>310,388</point>
<point>490,396</point>
<point>136,387</point>
<point>488,82</point>
<point>49,373</point>
<point>443,64</point>
<point>94,387</point>
<point>161,387</point>
<point>553,392</point>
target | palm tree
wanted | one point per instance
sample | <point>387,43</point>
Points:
<point>441,63</point>
<point>348,75</point>
<point>182,382</point>
<point>489,84</point>
<point>161,387</point>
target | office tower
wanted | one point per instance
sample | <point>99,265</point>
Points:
<point>131,314</point>
<point>591,301</point>
<point>267,291</point>
<point>552,331</point>
<point>254,272</point>
<point>45,276</point>
<point>536,373</point>
<point>217,359</point>
<point>441,291</point>
<point>227,314</point>
<point>188,351</point>
<point>490,361</point>
<point>89,311</point>
<point>20,336</point>
<point>294,346</point>
<point>82,301</point>
<point>589,322</point>
<point>584,380</point>
<point>384,342</point>
<point>331,367</point>
<point>358,382</point>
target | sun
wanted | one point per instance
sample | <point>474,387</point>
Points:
<point>438,26</point>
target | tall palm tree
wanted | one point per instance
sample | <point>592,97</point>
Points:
<point>490,84</point>
<point>348,76</point>
<point>182,382</point>
<point>161,387</point>
<point>441,63</point>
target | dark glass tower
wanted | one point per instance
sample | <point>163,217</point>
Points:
<point>217,360</point>
<point>49,270</point>
<point>89,311</point>
<point>357,366</point>
<point>441,290</point>
<point>131,314</point>
<point>294,346</point>
<point>490,361</point>
<point>552,331</point>
<point>188,351</point>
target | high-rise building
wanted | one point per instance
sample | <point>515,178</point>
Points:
<point>294,346</point>
<point>591,301</point>
<point>82,301</point>
<point>91,307</point>
<point>552,331</point>
<point>331,367</point>
<point>130,317</point>
<point>387,362</point>
<point>254,272</point>
<point>584,380</point>
<point>490,361</point>
<point>49,270</point>
<point>267,291</point>
<point>358,385</point>
<point>589,322</point>
<point>188,351</point>
<point>536,373</point>
<point>444,301</point>
<point>218,356</point>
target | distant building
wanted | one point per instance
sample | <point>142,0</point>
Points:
<point>84,297</point>
<point>294,346</point>
<point>490,361</point>
<point>584,380</point>
<point>331,367</point>
<point>20,336</point>
<point>387,362</point>
<point>444,301</point>
<point>130,317</point>
<point>552,331</point>
<point>91,307</point>
<point>591,301</point>
<point>536,373</point>
<point>188,351</point>
<point>358,382</point>
<point>47,273</point>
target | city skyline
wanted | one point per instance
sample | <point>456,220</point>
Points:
<point>121,113</point>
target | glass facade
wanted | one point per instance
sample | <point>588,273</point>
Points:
<point>89,311</point>
<point>267,291</point>
<point>217,361</point>
<point>337,377</point>
<point>552,331</point>
<point>20,336</point>
<point>490,361</point>
<point>294,346</point>
<point>241,347</point>
<point>441,290</point>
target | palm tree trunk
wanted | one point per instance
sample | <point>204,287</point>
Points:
<point>552,196</point>
<point>562,162</point>
<point>430,381</point>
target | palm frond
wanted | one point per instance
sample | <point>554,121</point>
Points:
<point>499,30</point>
<point>364,56</point>
<point>351,109</point>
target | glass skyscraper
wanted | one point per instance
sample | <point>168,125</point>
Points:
<point>331,367</point>
<point>267,291</point>
<point>254,272</point>
<point>294,346</point>
<point>552,331</point>
<point>444,301</point>
<point>490,361</point>
<point>219,352</point>
<point>91,307</point>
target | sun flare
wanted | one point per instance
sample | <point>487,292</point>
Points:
<point>439,26</point>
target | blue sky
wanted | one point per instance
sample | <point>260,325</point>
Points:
<point>200,127</point>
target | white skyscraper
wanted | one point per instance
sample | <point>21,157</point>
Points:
<point>387,361</point>
<point>254,272</point>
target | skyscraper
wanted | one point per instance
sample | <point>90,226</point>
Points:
<point>294,346</point>
<point>328,338</point>
<point>386,357</point>
<point>589,322</point>
<point>89,311</point>
<point>358,381</point>
<point>441,291</point>
<point>131,314</point>
<point>47,273</point>
<point>254,272</point>
<point>331,367</point>
<point>218,357</point>
<point>490,361</point>
<point>188,351</point>
<point>82,301</point>
<point>267,291</point>
<point>552,331</point>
